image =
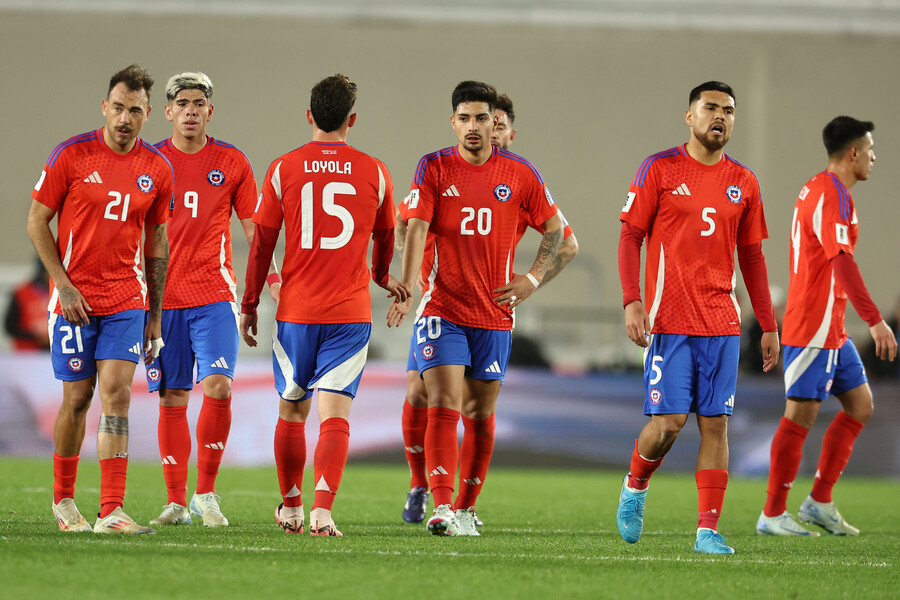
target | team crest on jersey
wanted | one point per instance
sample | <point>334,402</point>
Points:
<point>145,182</point>
<point>502,192</point>
<point>153,374</point>
<point>655,396</point>
<point>76,364</point>
<point>734,193</point>
<point>215,177</point>
<point>427,351</point>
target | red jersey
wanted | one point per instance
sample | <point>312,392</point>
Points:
<point>474,212</point>
<point>694,216</point>
<point>102,199</point>
<point>823,226</point>
<point>208,186</point>
<point>331,198</point>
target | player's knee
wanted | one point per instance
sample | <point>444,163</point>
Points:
<point>217,387</point>
<point>416,394</point>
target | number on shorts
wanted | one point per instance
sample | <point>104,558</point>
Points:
<point>657,372</point>
<point>64,343</point>
<point>430,326</point>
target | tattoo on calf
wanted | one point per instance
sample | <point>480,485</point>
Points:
<point>113,425</point>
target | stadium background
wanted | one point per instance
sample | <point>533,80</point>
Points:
<point>598,85</point>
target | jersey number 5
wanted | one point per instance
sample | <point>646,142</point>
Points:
<point>707,218</point>
<point>331,189</point>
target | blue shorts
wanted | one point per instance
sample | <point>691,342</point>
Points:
<point>206,335</point>
<point>328,357</point>
<point>484,352</point>
<point>411,359</point>
<point>817,372</point>
<point>74,351</point>
<point>690,374</point>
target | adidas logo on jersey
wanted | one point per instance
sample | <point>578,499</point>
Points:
<point>136,349</point>
<point>215,446</point>
<point>451,191</point>
<point>494,368</point>
<point>681,190</point>
<point>93,178</point>
<point>220,363</point>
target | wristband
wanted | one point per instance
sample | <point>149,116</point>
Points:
<point>273,279</point>
<point>532,279</point>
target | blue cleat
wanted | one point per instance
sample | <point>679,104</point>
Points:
<point>416,503</point>
<point>710,542</point>
<point>630,514</point>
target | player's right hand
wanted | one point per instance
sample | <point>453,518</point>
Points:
<point>396,290</point>
<point>74,307</point>
<point>398,311</point>
<point>637,323</point>
<point>248,328</point>
<point>885,342</point>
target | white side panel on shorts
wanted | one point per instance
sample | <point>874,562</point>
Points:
<point>796,369</point>
<point>292,391</point>
<point>343,375</point>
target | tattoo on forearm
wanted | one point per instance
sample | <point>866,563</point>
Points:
<point>400,235</point>
<point>156,283</point>
<point>549,247</point>
<point>113,425</point>
<point>564,256</point>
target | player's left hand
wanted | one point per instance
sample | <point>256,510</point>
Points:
<point>770,349</point>
<point>398,311</point>
<point>153,342</point>
<point>248,328</point>
<point>396,289</point>
<point>515,292</point>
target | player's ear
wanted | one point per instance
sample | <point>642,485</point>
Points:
<point>688,117</point>
<point>351,120</point>
<point>167,111</point>
<point>209,114</point>
<point>512,135</point>
<point>309,118</point>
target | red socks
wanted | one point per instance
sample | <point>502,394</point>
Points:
<point>213,426</point>
<point>415,421</point>
<point>65,471</point>
<point>442,453</point>
<point>290,458</point>
<point>112,484</point>
<point>474,459</point>
<point>641,469</point>
<point>837,445</point>
<point>785,455</point>
<point>711,485</point>
<point>175,450</point>
<point>330,460</point>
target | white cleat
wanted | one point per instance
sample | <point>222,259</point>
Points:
<point>173,514</point>
<point>68,517</point>
<point>826,516</point>
<point>321,524</point>
<point>466,519</point>
<point>206,506</point>
<point>784,524</point>
<point>443,522</point>
<point>290,518</point>
<point>118,522</point>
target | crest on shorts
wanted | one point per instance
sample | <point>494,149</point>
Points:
<point>655,396</point>
<point>502,192</point>
<point>145,182</point>
<point>734,193</point>
<point>76,364</point>
<point>215,177</point>
<point>153,374</point>
<point>428,351</point>
<point>828,385</point>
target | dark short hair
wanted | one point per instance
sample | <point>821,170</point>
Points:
<point>474,91</point>
<point>841,132</point>
<point>331,101</point>
<point>711,86</point>
<point>135,78</point>
<point>505,104</point>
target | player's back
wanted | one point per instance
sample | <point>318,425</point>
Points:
<point>331,197</point>
<point>824,224</point>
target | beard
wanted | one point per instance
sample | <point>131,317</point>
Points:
<point>712,144</point>
<point>473,146</point>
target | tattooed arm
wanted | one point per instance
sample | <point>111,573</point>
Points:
<point>522,286</point>
<point>568,248</point>
<point>156,259</point>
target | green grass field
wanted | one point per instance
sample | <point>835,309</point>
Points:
<point>548,534</point>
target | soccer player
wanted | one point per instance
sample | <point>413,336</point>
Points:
<point>819,357</point>
<point>415,409</point>
<point>695,205</point>
<point>331,198</point>
<point>200,316</point>
<point>106,186</point>
<point>468,198</point>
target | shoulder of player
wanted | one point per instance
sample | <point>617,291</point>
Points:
<point>74,143</point>
<point>157,156</point>
<point>656,161</point>
<point>518,162</point>
<point>430,161</point>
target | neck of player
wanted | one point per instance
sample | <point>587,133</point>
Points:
<point>702,154</point>
<point>189,145</point>
<point>476,157</point>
